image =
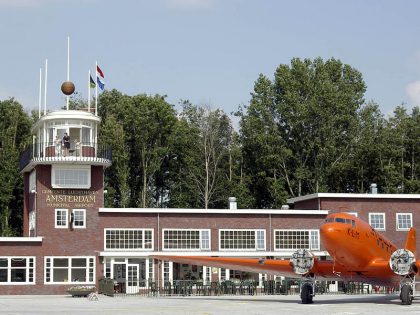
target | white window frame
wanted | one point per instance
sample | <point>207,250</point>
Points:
<point>32,181</point>
<point>311,232</point>
<point>353,213</point>
<point>51,268</point>
<point>28,270</point>
<point>397,221</point>
<point>130,249</point>
<point>74,218</point>
<point>73,168</point>
<point>377,213</point>
<point>32,220</point>
<point>66,216</point>
<point>200,242</point>
<point>256,248</point>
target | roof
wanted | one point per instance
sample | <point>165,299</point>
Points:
<point>355,196</point>
<point>213,211</point>
<point>21,239</point>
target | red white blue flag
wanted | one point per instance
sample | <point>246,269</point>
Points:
<point>100,78</point>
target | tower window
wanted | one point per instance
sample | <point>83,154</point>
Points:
<point>63,176</point>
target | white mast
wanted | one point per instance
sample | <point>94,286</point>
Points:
<point>89,92</point>
<point>96,89</point>
<point>45,86</point>
<point>40,93</point>
<point>68,67</point>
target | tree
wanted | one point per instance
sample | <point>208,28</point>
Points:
<point>316,107</point>
<point>14,136</point>
<point>145,125</point>
<point>212,132</point>
<point>112,133</point>
<point>265,153</point>
<point>298,130</point>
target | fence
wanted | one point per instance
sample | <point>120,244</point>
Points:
<point>48,152</point>
<point>215,288</point>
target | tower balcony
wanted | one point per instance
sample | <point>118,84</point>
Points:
<point>77,153</point>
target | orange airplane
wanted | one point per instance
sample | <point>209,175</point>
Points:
<point>359,253</point>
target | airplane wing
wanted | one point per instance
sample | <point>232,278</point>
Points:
<point>284,268</point>
<point>278,267</point>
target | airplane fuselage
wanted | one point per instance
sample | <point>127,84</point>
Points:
<point>355,247</point>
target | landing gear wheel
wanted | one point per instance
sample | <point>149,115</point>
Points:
<point>406,295</point>
<point>306,293</point>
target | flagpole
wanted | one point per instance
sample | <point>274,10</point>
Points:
<point>96,89</point>
<point>89,92</point>
<point>68,67</point>
<point>40,93</point>
<point>45,86</point>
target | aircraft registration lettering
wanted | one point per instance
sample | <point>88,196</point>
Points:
<point>353,233</point>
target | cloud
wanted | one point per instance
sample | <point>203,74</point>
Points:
<point>413,93</point>
<point>189,4</point>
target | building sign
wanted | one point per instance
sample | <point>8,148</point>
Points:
<point>60,198</point>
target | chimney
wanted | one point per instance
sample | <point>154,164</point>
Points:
<point>232,203</point>
<point>373,188</point>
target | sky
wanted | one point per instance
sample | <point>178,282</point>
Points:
<point>207,51</point>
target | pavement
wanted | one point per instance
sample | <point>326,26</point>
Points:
<point>213,305</point>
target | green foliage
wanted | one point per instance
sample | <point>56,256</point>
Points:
<point>138,128</point>
<point>14,136</point>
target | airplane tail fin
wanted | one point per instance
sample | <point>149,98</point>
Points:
<point>410,243</point>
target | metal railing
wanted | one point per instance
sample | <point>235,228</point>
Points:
<point>228,287</point>
<point>47,151</point>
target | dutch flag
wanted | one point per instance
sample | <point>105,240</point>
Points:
<point>100,78</point>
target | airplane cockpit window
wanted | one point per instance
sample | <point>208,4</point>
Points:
<point>341,220</point>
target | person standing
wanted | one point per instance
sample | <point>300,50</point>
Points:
<point>66,144</point>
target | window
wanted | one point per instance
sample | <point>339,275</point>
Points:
<point>404,221</point>
<point>377,221</point>
<point>70,270</point>
<point>205,239</point>
<point>296,239</point>
<point>186,239</point>
<point>32,219</point>
<point>86,136</point>
<point>32,181</point>
<point>242,239</point>
<point>17,270</point>
<point>129,239</point>
<point>70,176</point>
<point>79,218</point>
<point>61,218</point>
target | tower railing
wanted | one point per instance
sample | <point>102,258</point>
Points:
<point>77,151</point>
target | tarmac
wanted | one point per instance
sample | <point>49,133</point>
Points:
<point>214,305</point>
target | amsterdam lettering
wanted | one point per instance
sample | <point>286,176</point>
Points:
<point>69,198</point>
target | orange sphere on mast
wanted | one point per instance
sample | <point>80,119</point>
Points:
<point>67,87</point>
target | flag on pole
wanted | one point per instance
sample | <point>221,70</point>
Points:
<point>100,78</point>
<point>92,83</point>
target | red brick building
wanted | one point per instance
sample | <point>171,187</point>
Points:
<point>71,239</point>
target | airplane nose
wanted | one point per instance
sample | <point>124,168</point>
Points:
<point>330,234</point>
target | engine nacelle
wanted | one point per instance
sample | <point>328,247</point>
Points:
<point>403,262</point>
<point>302,261</point>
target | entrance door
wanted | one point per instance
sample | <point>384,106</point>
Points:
<point>132,279</point>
